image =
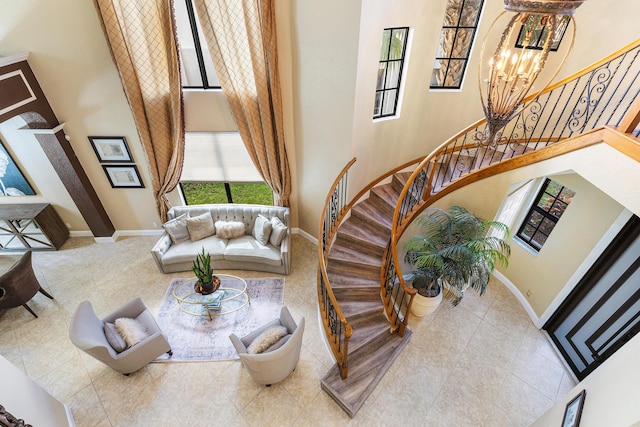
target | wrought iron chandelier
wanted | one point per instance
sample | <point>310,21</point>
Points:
<point>507,75</point>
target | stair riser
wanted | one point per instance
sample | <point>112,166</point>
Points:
<point>383,203</point>
<point>349,269</point>
<point>363,246</point>
<point>398,183</point>
<point>357,294</point>
<point>380,226</point>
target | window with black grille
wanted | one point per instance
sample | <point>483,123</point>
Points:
<point>539,34</point>
<point>456,40</point>
<point>392,54</point>
<point>549,205</point>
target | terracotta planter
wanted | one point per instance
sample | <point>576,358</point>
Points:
<point>422,306</point>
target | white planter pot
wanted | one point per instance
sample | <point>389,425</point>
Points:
<point>422,306</point>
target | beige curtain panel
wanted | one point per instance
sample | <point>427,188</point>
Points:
<point>241,35</point>
<point>142,40</point>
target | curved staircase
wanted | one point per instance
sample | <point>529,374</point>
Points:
<point>353,268</point>
<point>363,300</point>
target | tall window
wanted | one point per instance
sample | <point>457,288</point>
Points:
<point>198,71</point>
<point>540,33</point>
<point>218,169</point>
<point>392,54</point>
<point>550,204</point>
<point>456,39</point>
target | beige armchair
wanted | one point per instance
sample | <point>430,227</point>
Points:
<point>87,333</point>
<point>274,366</point>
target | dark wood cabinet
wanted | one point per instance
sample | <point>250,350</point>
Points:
<point>34,226</point>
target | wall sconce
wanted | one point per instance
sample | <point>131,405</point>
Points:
<point>506,75</point>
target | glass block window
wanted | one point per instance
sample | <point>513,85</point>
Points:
<point>456,40</point>
<point>392,54</point>
<point>540,33</point>
<point>549,205</point>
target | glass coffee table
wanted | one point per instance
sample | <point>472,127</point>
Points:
<point>191,302</point>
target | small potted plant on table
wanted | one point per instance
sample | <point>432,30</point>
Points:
<point>207,283</point>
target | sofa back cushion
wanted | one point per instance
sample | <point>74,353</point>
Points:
<point>200,226</point>
<point>234,212</point>
<point>177,229</point>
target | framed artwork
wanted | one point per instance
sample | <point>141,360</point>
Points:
<point>12,181</point>
<point>111,149</point>
<point>573,411</point>
<point>123,176</point>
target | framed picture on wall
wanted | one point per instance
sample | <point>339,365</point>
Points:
<point>123,176</point>
<point>12,181</point>
<point>111,149</point>
<point>573,411</point>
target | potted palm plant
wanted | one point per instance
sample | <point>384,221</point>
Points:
<point>206,282</point>
<point>456,251</point>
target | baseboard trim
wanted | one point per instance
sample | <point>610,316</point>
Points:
<point>304,234</point>
<point>521,298</point>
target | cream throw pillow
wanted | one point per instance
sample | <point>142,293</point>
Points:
<point>176,228</point>
<point>229,229</point>
<point>266,339</point>
<point>131,331</point>
<point>262,229</point>
<point>278,231</point>
<point>201,226</point>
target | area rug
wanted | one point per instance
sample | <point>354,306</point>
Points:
<point>195,338</point>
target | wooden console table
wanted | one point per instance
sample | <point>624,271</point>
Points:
<point>34,226</point>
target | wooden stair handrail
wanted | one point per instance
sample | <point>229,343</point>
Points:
<point>628,124</point>
<point>341,356</point>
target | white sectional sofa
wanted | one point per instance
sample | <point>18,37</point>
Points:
<point>176,251</point>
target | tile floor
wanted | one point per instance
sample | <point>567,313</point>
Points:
<point>482,363</point>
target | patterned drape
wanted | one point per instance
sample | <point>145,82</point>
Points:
<point>241,35</point>
<point>142,40</point>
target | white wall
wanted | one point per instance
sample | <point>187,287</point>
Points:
<point>26,400</point>
<point>71,60</point>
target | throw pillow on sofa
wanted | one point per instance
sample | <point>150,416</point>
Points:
<point>262,229</point>
<point>176,228</point>
<point>278,231</point>
<point>229,229</point>
<point>201,226</point>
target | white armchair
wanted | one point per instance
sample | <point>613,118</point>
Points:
<point>87,333</point>
<point>271,367</point>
